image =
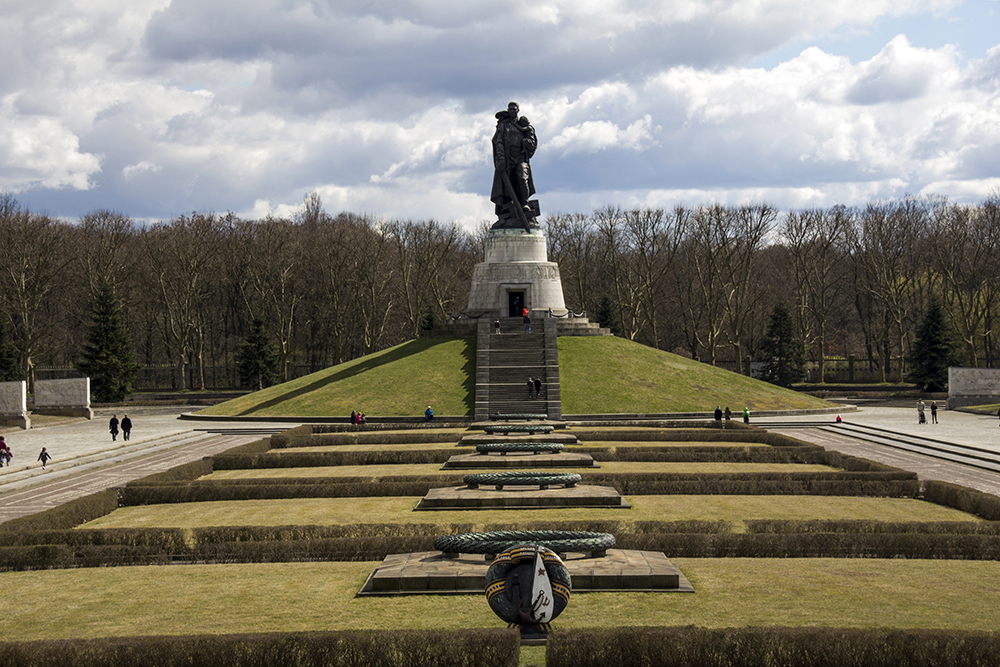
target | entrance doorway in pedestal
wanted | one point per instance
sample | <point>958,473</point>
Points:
<point>515,302</point>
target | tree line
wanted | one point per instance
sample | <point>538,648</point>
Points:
<point>701,281</point>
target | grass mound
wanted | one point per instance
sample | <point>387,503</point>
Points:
<point>613,375</point>
<point>400,381</point>
<point>598,375</point>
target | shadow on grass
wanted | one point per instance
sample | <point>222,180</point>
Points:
<point>403,351</point>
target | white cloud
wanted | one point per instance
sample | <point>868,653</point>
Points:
<point>387,108</point>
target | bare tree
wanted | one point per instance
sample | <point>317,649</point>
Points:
<point>426,255</point>
<point>885,243</point>
<point>816,240</point>
<point>272,262</point>
<point>107,249</point>
<point>33,257</point>
<point>572,247</point>
<point>184,256</point>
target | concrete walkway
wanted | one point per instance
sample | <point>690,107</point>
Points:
<point>954,427</point>
<point>85,460</point>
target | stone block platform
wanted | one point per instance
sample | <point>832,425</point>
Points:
<point>522,497</point>
<point>431,573</point>
<point>473,439</point>
<point>520,461</point>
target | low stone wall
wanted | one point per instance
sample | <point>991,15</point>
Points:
<point>67,398</point>
<point>14,404</point>
<point>973,386</point>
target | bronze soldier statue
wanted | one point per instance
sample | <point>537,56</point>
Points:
<point>514,143</point>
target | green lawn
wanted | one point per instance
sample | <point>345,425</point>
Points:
<point>400,381</point>
<point>610,375</point>
<point>321,596</point>
<point>344,511</point>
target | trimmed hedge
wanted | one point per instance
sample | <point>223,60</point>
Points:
<point>218,534</point>
<point>199,493</point>
<point>320,459</point>
<point>68,515</point>
<point>726,487</point>
<point>707,454</point>
<point>330,549</point>
<point>875,484</point>
<point>350,648</point>
<point>864,526</point>
<point>770,647</point>
<point>182,473</point>
<point>317,438</point>
<point>963,498</point>
<point>586,435</point>
<point>817,545</point>
<point>167,539</point>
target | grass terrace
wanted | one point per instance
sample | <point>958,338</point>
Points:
<point>771,531</point>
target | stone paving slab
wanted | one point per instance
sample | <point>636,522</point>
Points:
<point>521,460</point>
<point>522,497</point>
<point>431,573</point>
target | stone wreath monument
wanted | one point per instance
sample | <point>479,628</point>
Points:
<point>516,273</point>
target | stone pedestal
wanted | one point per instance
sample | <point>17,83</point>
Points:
<point>515,275</point>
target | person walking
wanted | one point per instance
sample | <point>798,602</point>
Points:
<point>718,413</point>
<point>538,387</point>
<point>746,415</point>
<point>496,326</point>
<point>934,412</point>
<point>527,321</point>
<point>44,457</point>
<point>5,455</point>
<point>531,388</point>
<point>920,411</point>
<point>728,413</point>
<point>126,427</point>
<point>113,427</point>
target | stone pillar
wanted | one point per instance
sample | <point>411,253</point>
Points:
<point>14,404</point>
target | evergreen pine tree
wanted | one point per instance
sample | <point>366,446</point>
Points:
<point>607,316</point>
<point>937,346</point>
<point>10,369</point>
<point>782,353</point>
<point>429,321</point>
<point>108,357</point>
<point>258,359</point>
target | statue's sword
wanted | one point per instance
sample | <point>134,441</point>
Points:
<point>517,204</point>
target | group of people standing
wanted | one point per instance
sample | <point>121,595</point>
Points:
<point>534,388</point>
<point>126,425</point>
<point>921,419</point>
<point>6,455</point>
<point>728,414</point>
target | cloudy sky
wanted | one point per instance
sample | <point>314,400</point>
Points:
<point>161,107</point>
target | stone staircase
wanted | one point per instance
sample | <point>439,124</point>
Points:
<point>505,362</point>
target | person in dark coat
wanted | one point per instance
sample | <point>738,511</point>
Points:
<point>44,457</point>
<point>126,427</point>
<point>718,413</point>
<point>113,427</point>
<point>538,387</point>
